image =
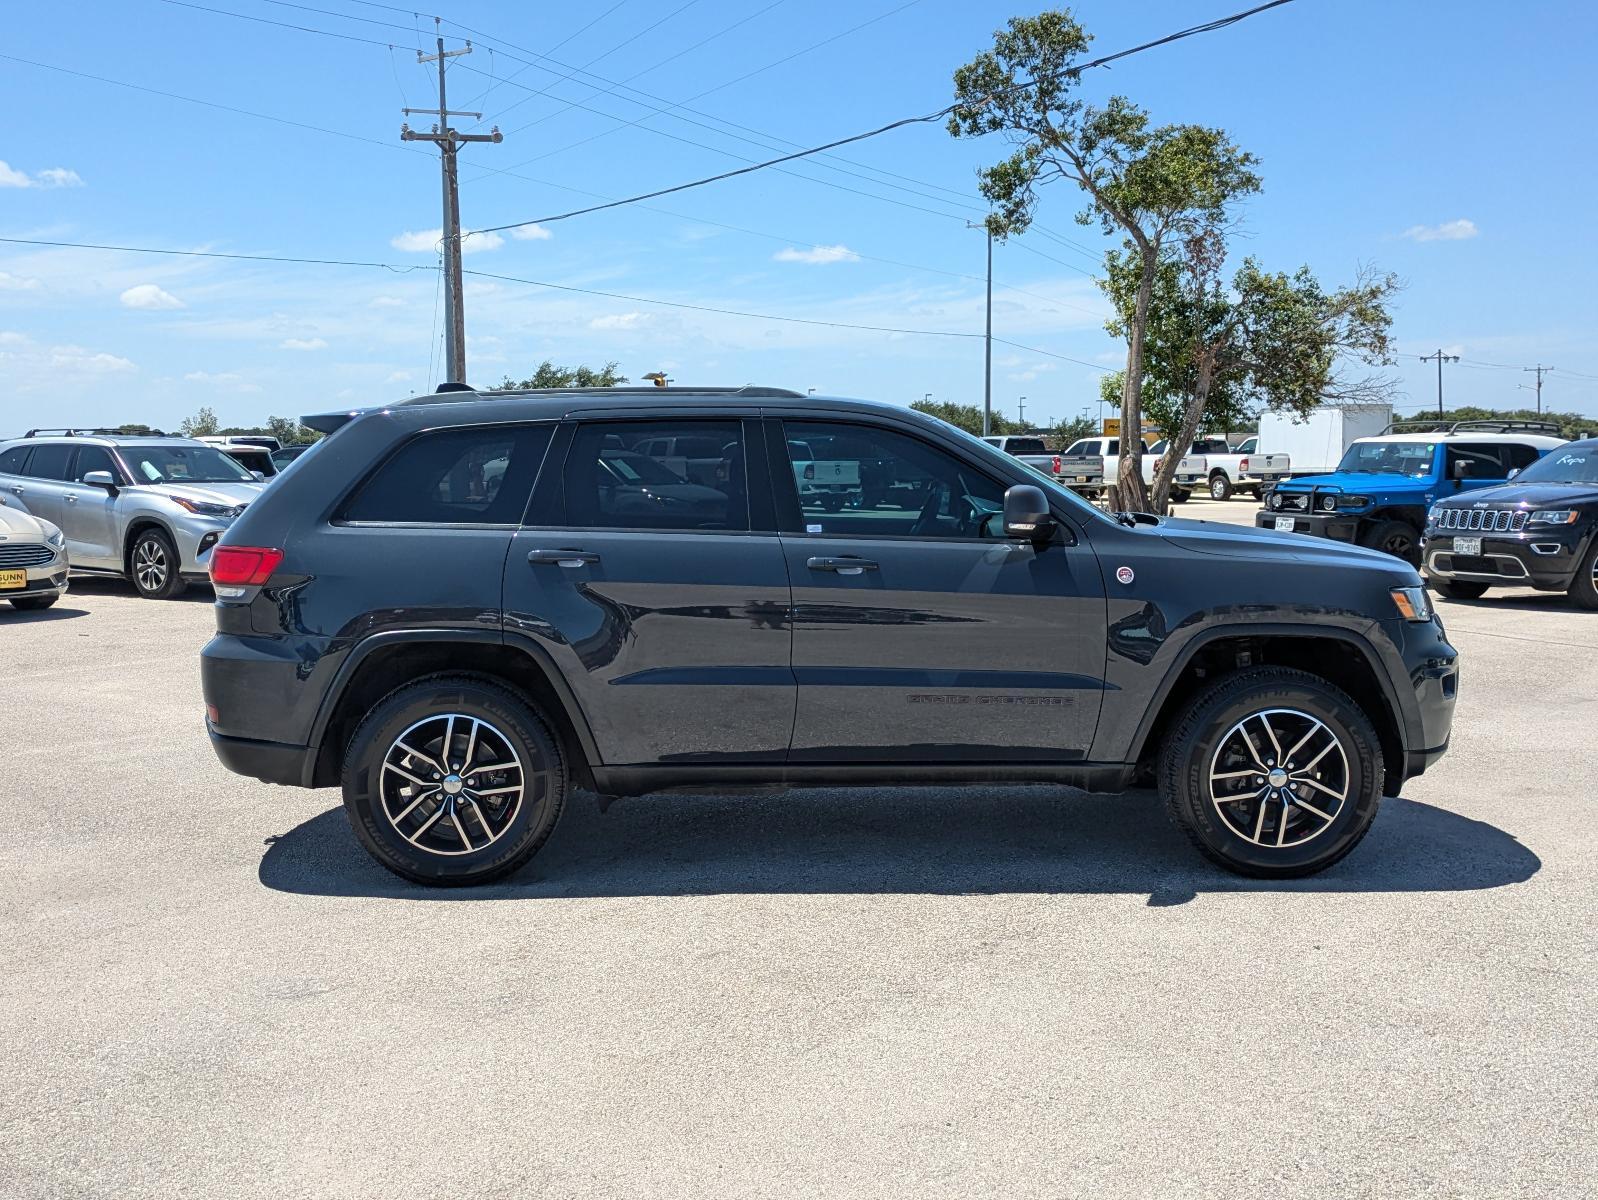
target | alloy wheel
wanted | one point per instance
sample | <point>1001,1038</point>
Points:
<point>452,784</point>
<point>1279,778</point>
<point>150,565</point>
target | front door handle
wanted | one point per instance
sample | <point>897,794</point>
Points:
<point>16,491</point>
<point>72,499</point>
<point>842,566</point>
<point>562,558</point>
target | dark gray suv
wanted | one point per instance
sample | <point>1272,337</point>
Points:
<point>461,606</point>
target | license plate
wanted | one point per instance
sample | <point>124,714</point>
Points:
<point>11,580</point>
<point>1471,547</point>
<point>1284,524</point>
<point>1081,478</point>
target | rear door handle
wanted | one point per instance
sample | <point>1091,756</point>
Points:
<point>842,566</point>
<point>562,558</point>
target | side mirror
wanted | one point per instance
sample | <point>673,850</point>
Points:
<point>1460,470</point>
<point>1026,514</point>
<point>260,476</point>
<point>1513,471</point>
<point>100,479</point>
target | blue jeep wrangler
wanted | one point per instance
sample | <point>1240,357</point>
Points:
<point>1382,488</point>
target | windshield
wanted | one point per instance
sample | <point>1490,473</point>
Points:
<point>1578,464</point>
<point>183,464</point>
<point>1413,459</point>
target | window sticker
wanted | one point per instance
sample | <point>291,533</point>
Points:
<point>812,529</point>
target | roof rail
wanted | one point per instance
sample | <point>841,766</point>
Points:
<point>1505,425</point>
<point>84,432</point>
<point>752,391</point>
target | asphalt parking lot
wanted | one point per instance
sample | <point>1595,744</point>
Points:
<point>210,990</point>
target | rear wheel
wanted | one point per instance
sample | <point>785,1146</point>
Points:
<point>1584,587</point>
<point>1397,538</point>
<point>1220,486</point>
<point>1180,495</point>
<point>1273,773</point>
<point>1460,589</point>
<point>153,566</point>
<point>33,603</point>
<point>453,781</point>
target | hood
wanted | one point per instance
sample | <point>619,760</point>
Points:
<point>210,493</point>
<point>1237,541</point>
<point>19,526</point>
<point>1531,495</point>
<point>1346,482</point>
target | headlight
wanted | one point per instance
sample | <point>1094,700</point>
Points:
<point>53,537</point>
<point>1328,503</point>
<point>1555,516</point>
<point>1275,500</point>
<point>1412,603</point>
<point>201,508</point>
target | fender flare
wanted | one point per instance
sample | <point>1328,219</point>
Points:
<point>369,645</point>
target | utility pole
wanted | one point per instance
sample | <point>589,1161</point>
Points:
<point>1020,412</point>
<point>987,340</point>
<point>1541,371</point>
<point>449,142</point>
<point>1441,359</point>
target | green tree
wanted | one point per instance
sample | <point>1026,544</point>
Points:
<point>1071,429</point>
<point>1218,352</point>
<point>290,432</point>
<point>1152,184</point>
<point>549,375</point>
<point>1571,425</point>
<point>201,424</point>
<point>965,416</point>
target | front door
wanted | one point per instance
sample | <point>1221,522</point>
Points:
<point>89,512</point>
<point>920,633</point>
<point>657,585</point>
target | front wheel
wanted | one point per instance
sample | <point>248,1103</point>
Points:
<point>453,781</point>
<point>1460,589</point>
<point>154,567</point>
<point>1397,538</point>
<point>1220,487</point>
<point>33,603</point>
<point>1584,587</point>
<point>1273,773</point>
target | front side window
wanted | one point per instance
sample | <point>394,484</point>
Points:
<point>50,461</point>
<point>866,482</point>
<point>675,475</point>
<point>183,464</point>
<point>479,475</point>
<point>95,458</point>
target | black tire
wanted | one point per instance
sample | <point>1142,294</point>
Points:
<point>1220,486</point>
<point>1205,731</point>
<point>1180,495</point>
<point>153,566</point>
<point>33,603</point>
<point>1460,589</point>
<point>1398,538</point>
<point>443,855</point>
<point>832,503</point>
<point>1583,590</point>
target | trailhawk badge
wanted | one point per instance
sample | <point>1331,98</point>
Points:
<point>1124,574</point>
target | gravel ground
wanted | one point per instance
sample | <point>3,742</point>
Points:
<point>207,989</point>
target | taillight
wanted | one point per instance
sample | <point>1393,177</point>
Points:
<point>810,471</point>
<point>1242,466</point>
<point>1056,464</point>
<point>243,566</point>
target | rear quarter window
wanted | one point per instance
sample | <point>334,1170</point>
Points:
<point>481,475</point>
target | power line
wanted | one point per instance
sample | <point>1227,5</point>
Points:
<point>928,118</point>
<point>397,268</point>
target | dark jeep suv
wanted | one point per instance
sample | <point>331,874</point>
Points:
<point>461,606</point>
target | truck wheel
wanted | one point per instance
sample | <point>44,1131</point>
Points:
<point>1220,486</point>
<point>1460,589</point>
<point>1584,587</point>
<point>832,503</point>
<point>1272,772</point>
<point>153,566</point>
<point>453,781</point>
<point>1397,538</point>
<point>1180,495</point>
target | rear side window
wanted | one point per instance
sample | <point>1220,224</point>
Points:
<point>50,462</point>
<point>480,475</point>
<point>11,460</point>
<point>1521,457</point>
<point>636,475</point>
<point>1486,459</point>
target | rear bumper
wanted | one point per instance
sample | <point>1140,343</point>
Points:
<point>1548,561</point>
<point>1338,527</point>
<point>270,762</point>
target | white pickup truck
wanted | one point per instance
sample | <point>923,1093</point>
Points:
<point>1241,470</point>
<point>1088,464</point>
<point>1029,450</point>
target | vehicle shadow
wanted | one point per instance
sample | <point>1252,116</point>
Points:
<point>107,585</point>
<point>902,840</point>
<point>56,612</point>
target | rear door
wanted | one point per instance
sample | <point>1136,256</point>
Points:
<point>662,599</point>
<point>920,633</point>
<point>42,491</point>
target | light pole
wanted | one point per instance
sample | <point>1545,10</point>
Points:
<point>987,339</point>
<point>1020,412</point>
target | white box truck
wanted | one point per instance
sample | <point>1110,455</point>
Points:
<point>1316,443</point>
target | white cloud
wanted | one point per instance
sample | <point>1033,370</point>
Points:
<point>398,377</point>
<point>16,283</point>
<point>816,255</point>
<point>149,295</point>
<point>426,241</point>
<point>314,343</point>
<point>387,302</point>
<point>50,177</point>
<point>530,233</point>
<point>221,379</point>
<point>619,321</point>
<point>1448,231</point>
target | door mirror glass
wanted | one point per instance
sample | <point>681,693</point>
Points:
<point>1026,513</point>
<point>100,479</point>
<point>1461,469</point>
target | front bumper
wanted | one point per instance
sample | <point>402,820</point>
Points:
<point>1547,561</point>
<point>1340,527</point>
<point>195,539</point>
<point>47,579</point>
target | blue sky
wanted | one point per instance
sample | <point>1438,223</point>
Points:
<point>1452,147</point>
